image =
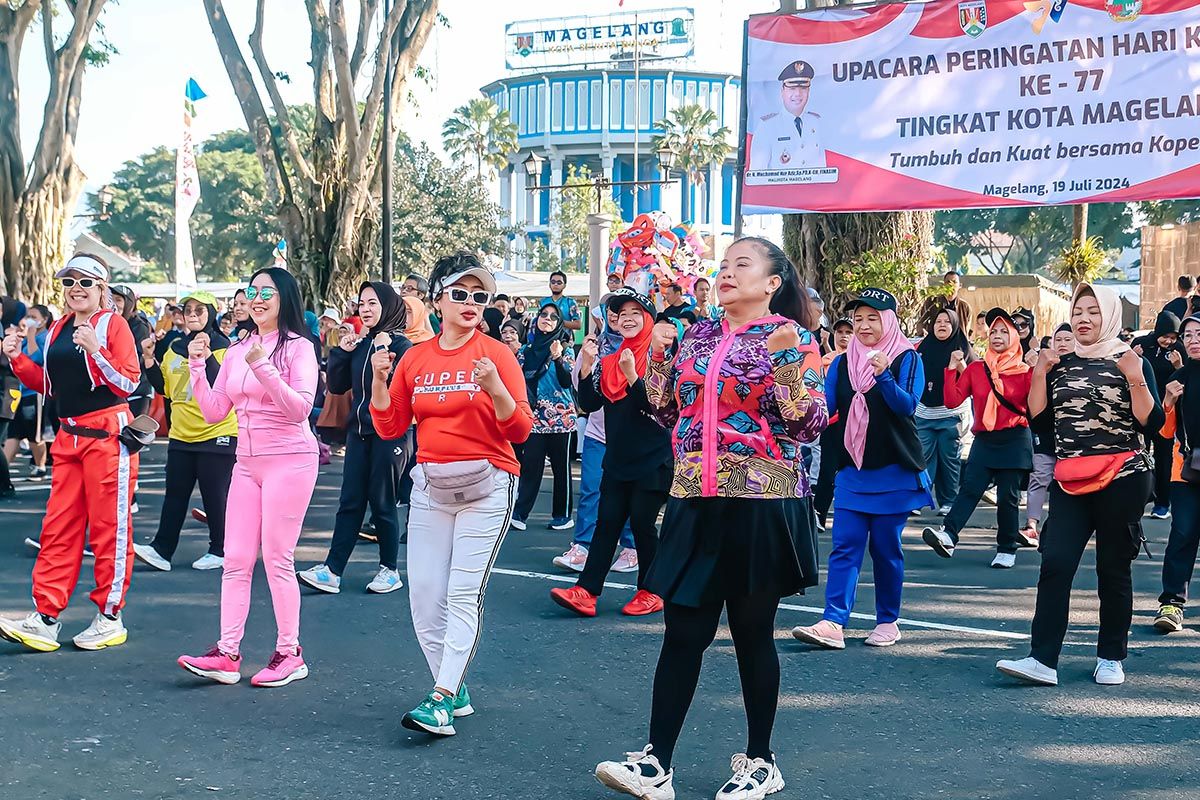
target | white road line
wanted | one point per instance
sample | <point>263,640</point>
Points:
<point>915,623</point>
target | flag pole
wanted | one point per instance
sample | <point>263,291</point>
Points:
<point>386,228</point>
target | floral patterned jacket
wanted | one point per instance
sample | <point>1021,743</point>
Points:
<point>554,410</point>
<point>740,413</point>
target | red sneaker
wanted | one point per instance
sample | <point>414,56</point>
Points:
<point>643,603</point>
<point>577,599</point>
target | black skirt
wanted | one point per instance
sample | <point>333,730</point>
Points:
<point>712,548</point>
<point>1011,448</point>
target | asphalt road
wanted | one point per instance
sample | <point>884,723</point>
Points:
<point>929,718</point>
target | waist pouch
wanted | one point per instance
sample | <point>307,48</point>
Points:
<point>1087,474</point>
<point>136,435</point>
<point>458,482</point>
<point>1191,467</point>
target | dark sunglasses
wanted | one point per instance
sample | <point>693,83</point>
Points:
<point>266,293</point>
<point>463,296</point>
<point>1022,324</point>
<point>82,283</point>
<point>548,315</point>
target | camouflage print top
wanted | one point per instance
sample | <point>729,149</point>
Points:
<point>1093,411</point>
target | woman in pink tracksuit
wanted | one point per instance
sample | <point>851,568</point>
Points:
<point>269,378</point>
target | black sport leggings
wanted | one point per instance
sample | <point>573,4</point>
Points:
<point>186,468</point>
<point>689,632</point>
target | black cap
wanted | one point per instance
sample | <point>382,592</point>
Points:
<point>1023,312</point>
<point>877,299</point>
<point>999,313</point>
<point>797,73</point>
<point>849,323</point>
<point>614,300</point>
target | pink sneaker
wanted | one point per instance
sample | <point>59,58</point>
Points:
<point>573,559</point>
<point>214,665</point>
<point>626,562</point>
<point>283,669</point>
<point>885,634</point>
<point>825,633</point>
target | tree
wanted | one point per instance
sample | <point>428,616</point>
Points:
<point>689,132</point>
<point>820,244</point>
<point>38,193</point>
<point>481,132</point>
<point>1170,212</point>
<point>323,180</point>
<point>1025,240</point>
<point>438,209</point>
<point>231,227</point>
<point>568,217</point>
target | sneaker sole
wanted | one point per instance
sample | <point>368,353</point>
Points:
<point>808,638</point>
<point>518,524</point>
<point>618,780</point>
<point>218,675</point>
<point>931,539</point>
<point>37,645</point>
<point>1108,683</point>
<point>622,570</point>
<point>561,563</point>
<point>561,527</point>
<point>114,641</point>
<point>465,711</point>
<point>298,674</point>
<point>881,642</point>
<point>1033,680</point>
<point>640,613</point>
<point>416,725</point>
<point>1167,626</point>
<point>388,590</point>
<point>570,607</point>
<point>150,563</point>
<point>206,569</point>
<point>994,565</point>
<point>318,586</point>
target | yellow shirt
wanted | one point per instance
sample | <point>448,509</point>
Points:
<point>187,422</point>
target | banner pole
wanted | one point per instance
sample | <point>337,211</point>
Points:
<point>742,130</point>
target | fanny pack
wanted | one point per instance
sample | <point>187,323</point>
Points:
<point>1191,467</point>
<point>458,482</point>
<point>1087,474</point>
<point>136,435</point>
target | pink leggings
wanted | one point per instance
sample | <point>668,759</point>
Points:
<point>268,497</point>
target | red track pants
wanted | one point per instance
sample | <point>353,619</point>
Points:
<point>90,496</point>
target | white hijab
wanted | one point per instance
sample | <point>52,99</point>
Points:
<point>1109,345</point>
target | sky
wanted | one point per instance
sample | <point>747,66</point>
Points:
<point>133,104</point>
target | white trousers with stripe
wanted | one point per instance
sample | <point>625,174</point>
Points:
<point>451,551</point>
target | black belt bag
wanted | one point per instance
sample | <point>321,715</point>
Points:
<point>134,436</point>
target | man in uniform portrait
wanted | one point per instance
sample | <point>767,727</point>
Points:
<point>789,139</point>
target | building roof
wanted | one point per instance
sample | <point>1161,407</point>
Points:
<point>117,260</point>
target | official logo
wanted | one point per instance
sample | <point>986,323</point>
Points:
<point>1123,10</point>
<point>1044,10</point>
<point>972,17</point>
<point>524,44</point>
<point>785,157</point>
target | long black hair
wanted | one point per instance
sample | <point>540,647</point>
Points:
<point>291,308</point>
<point>791,300</point>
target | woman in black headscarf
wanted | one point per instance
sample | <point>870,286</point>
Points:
<point>197,451</point>
<point>125,302</point>
<point>938,427</point>
<point>1024,320</point>
<point>373,466</point>
<point>1164,353</point>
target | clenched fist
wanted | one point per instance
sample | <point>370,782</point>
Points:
<point>487,376</point>
<point>256,352</point>
<point>663,337</point>
<point>381,364</point>
<point>199,350</point>
<point>782,338</point>
<point>12,345</point>
<point>85,338</point>
<point>628,366</point>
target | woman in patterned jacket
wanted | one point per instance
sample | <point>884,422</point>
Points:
<point>742,393</point>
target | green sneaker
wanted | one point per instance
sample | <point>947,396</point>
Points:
<point>434,715</point>
<point>462,703</point>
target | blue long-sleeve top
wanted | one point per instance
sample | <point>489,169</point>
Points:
<point>900,395</point>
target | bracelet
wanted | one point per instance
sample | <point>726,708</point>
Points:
<point>1141,383</point>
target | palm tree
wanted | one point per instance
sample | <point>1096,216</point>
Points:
<point>481,132</point>
<point>690,131</point>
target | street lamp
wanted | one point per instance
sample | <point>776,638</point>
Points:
<point>105,198</point>
<point>533,167</point>
<point>667,158</point>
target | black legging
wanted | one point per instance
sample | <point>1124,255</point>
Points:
<point>369,478</point>
<point>541,446</point>
<point>689,632</point>
<point>975,481</point>
<point>5,478</point>
<point>637,502</point>
<point>184,469</point>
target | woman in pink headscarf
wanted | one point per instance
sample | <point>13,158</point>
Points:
<point>874,389</point>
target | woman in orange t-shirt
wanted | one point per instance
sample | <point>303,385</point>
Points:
<point>466,393</point>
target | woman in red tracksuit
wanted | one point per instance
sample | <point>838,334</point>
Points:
<point>91,367</point>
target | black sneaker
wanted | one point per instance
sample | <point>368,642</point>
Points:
<point>1169,619</point>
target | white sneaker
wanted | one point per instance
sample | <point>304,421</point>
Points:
<point>321,579</point>
<point>1004,561</point>
<point>149,555</point>
<point>1029,670</point>
<point>989,496</point>
<point>31,632</point>
<point>208,561</point>
<point>626,562</point>
<point>574,559</point>
<point>639,774</point>
<point>102,633</point>
<point>1109,672</point>
<point>752,779</point>
<point>939,541</point>
<point>133,509</point>
<point>519,524</point>
<point>386,580</point>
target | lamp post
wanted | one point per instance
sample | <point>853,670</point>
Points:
<point>105,198</point>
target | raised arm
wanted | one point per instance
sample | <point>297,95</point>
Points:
<point>903,394</point>
<point>213,399</point>
<point>799,388</point>
<point>295,396</point>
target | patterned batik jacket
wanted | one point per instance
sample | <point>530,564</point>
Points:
<point>740,413</point>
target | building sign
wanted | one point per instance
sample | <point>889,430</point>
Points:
<point>582,41</point>
<point>971,104</point>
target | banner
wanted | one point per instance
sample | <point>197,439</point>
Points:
<point>578,41</point>
<point>972,104</point>
<point>187,193</point>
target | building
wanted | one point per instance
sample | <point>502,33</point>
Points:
<point>589,111</point>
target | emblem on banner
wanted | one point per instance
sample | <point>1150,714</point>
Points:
<point>1045,10</point>
<point>524,44</point>
<point>1123,10</point>
<point>972,17</point>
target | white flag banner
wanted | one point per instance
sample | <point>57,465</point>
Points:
<point>187,194</point>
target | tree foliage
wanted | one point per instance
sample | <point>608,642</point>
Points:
<point>568,217</point>
<point>691,132</point>
<point>1170,212</point>
<point>481,132</point>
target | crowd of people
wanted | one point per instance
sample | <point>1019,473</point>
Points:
<point>744,417</point>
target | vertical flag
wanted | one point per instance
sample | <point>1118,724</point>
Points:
<point>280,255</point>
<point>187,193</point>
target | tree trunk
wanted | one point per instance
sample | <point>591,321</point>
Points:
<point>818,243</point>
<point>42,222</point>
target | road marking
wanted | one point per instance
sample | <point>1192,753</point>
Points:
<point>915,623</point>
